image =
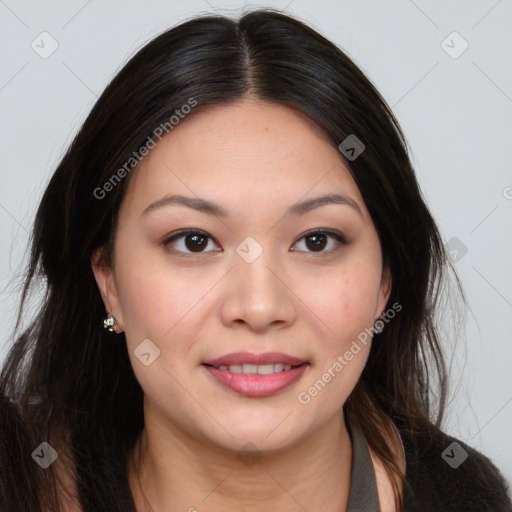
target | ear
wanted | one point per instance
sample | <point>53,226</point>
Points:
<point>384,291</point>
<point>104,276</point>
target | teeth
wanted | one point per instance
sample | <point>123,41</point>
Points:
<point>250,369</point>
<point>259,369</point>
<point>264,369</point>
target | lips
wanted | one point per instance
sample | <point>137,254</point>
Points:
<point>256,375</point>
<point>240,358</point>
<point>252,385</point>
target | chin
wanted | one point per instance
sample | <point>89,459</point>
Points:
<point>255,443</point>
<point>262,434</point>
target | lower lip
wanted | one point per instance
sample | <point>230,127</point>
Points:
<point>257,385</point>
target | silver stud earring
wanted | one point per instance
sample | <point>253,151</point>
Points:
<point>378,327</point>
<point>109,323</point>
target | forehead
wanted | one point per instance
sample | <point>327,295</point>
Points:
<point>246,153</point>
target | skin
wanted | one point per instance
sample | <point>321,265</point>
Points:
<point>256,160</point>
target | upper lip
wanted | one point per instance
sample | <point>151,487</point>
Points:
<point>250,358</point>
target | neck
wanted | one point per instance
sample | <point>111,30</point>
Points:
<point>175,472</point>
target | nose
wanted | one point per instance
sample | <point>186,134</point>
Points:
<point>259,295</point>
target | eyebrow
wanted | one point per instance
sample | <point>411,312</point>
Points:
<point>211,208</point>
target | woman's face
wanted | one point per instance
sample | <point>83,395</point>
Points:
<point>250,280</point>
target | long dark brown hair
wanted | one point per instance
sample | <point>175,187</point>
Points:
<point>69,382</point>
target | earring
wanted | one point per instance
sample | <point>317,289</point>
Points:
<point>109,323</point>
<point>378,327</point>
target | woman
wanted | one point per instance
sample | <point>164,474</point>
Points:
<point>242,277</point>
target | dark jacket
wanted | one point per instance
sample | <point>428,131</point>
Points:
<point>446,475</point>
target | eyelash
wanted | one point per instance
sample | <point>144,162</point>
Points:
<point>182,234</point>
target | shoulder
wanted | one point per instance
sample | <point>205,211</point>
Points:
<point>445,474</point>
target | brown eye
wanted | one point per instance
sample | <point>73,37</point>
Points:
<point>316,241</point>
<point>188,242</point>
<point>195,243</point>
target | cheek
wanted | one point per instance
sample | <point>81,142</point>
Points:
<point>162,302</point>
<point>153,298</point>
<point>345,301</point>
<point>346,308</point>
<point>154,304</point>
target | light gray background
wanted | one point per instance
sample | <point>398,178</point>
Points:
<point>456,114</point>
